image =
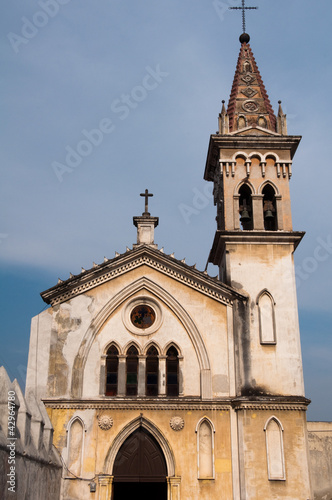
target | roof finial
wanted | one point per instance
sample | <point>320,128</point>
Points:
<point>243,8</point>
<point>146,195</point>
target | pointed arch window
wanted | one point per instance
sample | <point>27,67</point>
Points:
<point>275,450</point>
<point>112,367</point>
<point>267,324</point>
<point>75,445</point>
<point>245,208</point>
<point>172,372</point>
<point>152,371</point>
<point>269,208</point>
<point>132,371</point>
<point>205,449</point>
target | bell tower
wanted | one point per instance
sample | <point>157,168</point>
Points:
<point>249,162</point>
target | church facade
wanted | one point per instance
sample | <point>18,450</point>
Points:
<point>162,380</point>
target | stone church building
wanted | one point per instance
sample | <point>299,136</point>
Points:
<point>163,381</point>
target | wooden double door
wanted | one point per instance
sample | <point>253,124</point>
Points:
<point>140,468</point>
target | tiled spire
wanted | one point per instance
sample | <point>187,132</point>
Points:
<point>249,104</point>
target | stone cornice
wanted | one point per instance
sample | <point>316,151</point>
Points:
<point>222,238</point>
<point>247,142</point>
<point>283,403</point>
<point>132,259</point>
<point>289,403</point>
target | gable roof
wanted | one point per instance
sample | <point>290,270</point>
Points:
<point>132,259</point>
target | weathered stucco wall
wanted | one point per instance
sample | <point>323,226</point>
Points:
<point>30,468</point>
<point>320,451</point>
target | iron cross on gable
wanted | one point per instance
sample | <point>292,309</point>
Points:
<point>243,8</point>
<point>146,195</point>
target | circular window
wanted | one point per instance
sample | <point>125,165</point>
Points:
<point>142,316</point>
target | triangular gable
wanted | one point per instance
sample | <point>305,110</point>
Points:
<point>132,259</point>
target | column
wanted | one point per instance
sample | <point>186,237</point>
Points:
<point>105,487</point>
<point>141,375</point>
<point>173,488</point>
<point>102,381</point>
<point>122,375</point>
<point>236,211</point>
<point>162,376</point>
<point>257,211</point>
<point>181,388</point>
<point>280,224</point>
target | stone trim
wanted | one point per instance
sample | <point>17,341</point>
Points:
<point>161,404</point>
<point>127,431</point>
<point>90,279</point>
<point>269,407</point>
<point>178,404</point>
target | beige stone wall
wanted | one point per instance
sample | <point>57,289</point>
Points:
<point>254,456</point>
<point>272,369</point>
<point>320,449</point>
<point>183,445</point>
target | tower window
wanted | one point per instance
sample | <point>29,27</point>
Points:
<point>112,365</point>
<point>152,369</point>
<point>172,372</point>
<point>269,208</point>
<point>245,208</point>
<point>131,369</point>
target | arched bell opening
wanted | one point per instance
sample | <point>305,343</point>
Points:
<point>245,208</point>
<point>269,208</point>
<point>140,468</point>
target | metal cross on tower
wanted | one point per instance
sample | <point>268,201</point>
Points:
<point>146,194</point>
<point>243,8</point>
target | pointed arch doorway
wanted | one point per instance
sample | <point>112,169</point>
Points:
<point>140,468</point>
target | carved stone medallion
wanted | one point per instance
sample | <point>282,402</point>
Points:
<point>176,423</point>
<point>250,106</point>
<point>105,422</point>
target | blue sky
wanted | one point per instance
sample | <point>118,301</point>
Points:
<point>144,81</point>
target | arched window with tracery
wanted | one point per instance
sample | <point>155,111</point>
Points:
<point>112,367</point>
<point>245,208</point>
<point>269,208</point>
<point>152,371</point>
<point>132,371</point>
<point>172,372</point>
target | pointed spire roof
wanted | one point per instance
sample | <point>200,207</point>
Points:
<point>249,104</point>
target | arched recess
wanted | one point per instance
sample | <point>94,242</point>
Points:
<point>257,155</point>
<point>142,285</point>
<point>127,431</point>
<point>205,431</point>
<point>275,449</point>
<point>267,322</point>
<point>75,446</point>
<point>240,154</point>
